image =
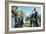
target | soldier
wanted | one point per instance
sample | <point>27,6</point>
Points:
<point>19,19</point>
<point>14,8</point>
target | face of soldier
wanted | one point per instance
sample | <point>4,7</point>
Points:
<point>13,8</point>
<point>17,13</point>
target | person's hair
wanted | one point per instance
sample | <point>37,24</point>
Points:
<point>34,9</point>
<point>15,7</point>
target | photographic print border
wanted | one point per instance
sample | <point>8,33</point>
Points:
<point>7,16</point>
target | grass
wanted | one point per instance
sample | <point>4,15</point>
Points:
<point>27,23</point>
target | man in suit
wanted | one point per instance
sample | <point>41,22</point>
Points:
<point>34,21</point>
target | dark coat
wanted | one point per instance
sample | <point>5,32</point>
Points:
<point>35,22</point>
<point>19,21</point>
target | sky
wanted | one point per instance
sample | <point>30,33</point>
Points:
<point>25,8</point>
<point>29,9</point>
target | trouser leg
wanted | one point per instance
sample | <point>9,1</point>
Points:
<point>36,24</point>
<point>30,23</point>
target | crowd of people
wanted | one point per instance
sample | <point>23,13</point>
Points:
<point>18,18</point>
